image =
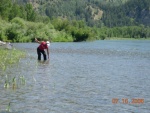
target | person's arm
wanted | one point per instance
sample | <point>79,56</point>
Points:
<point>48,52</point>
<point>37,41</point>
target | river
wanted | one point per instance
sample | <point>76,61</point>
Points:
<point>86,77</point>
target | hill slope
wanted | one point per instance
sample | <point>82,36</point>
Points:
<point>96,12</point>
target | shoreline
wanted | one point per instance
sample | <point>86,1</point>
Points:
<point>116,38</point>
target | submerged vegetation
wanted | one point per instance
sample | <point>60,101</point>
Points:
<point>7,59</point>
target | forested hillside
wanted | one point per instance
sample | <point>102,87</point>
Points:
<point>133,12</point>
<point>73,20</point>
<point>96,12</point>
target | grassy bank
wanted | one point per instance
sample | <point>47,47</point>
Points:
<point>9,57</point>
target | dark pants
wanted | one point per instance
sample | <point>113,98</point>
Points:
<point>39,54</point>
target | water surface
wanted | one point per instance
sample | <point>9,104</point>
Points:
<point>81,78</point>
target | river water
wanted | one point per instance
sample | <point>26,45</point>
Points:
<point>84,77</point>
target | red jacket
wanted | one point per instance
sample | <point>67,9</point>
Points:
<point>43,46</point>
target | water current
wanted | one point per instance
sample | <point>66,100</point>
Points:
<point>85,77</point>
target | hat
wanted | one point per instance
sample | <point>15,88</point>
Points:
<point>48,43</point>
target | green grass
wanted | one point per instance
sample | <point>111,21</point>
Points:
<point>8,57</point>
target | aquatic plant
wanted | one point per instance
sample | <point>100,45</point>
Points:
<point>6,85</point>
<point>8,107</point>
<point>7,59</point>
<point>23,81</point>
<point>14,83</point>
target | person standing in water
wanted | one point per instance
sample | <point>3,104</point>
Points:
<point>41,49</point>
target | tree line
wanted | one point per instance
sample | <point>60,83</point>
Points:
<point>10,10</point>
<point>132,13</point>
<point>22,23</point>
<point>114,12</point>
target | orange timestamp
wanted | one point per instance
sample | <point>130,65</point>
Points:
<point>128,101</point>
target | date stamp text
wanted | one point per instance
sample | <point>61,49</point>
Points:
<point>128,101</point>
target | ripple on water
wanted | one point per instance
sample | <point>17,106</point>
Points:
<point>82,78</point>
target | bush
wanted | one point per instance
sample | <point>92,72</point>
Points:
<point>19,22</point>
<point>102,36</point>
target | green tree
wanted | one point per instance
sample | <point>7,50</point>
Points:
<point>15,11</point>
<point>5,7</point>
<point>31,14</point>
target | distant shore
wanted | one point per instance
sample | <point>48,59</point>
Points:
<point>117,38</point>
